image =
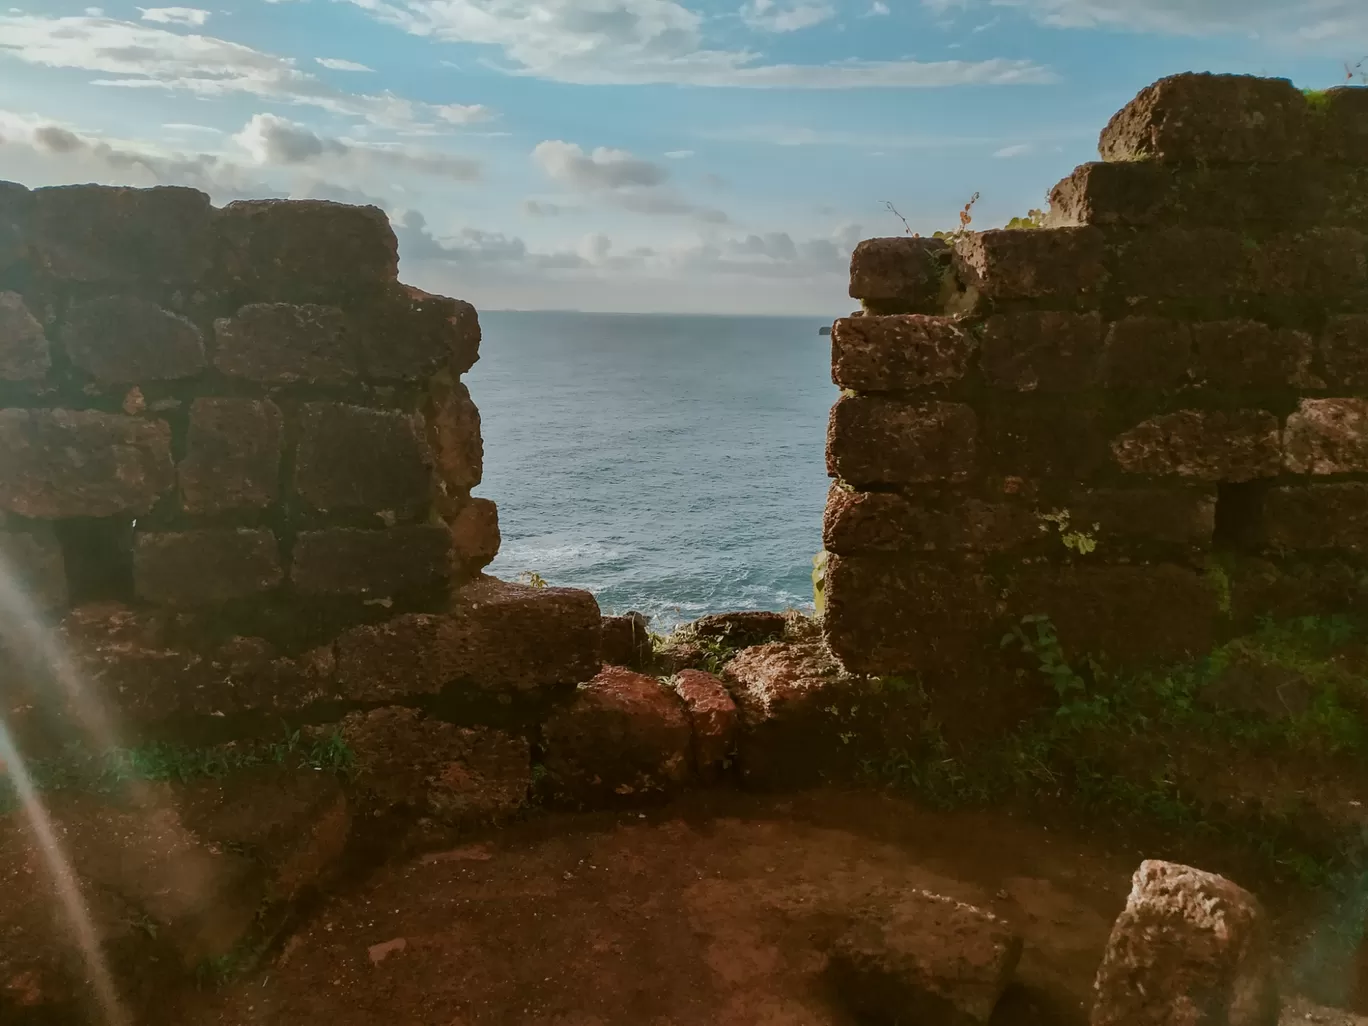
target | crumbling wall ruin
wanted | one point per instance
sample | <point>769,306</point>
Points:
<point>1147,420</point>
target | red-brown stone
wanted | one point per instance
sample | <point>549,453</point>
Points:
<point>205,566</point>
<point>740,629</point>
<point>1203,445</point>
<point>858,522</point>
<point>1327,516</point>
<point>1238,354</point>
<point>374,564</point>
<point>24,354</point>
<point>1328,436</point>
<point>905,271</point>
<point>352,458</point>
<point>1344,351</point>
<point>232,458</point>
<point>622,736</point>
<point>285,344</point>
<point>101,233</point>
<point>899,352</point>
<point>16,216</point>
<point>1187,940</point>
<point>1323,262</point>
<point>475,537</point>
<point>1046,351</point>
<point>123,340</point>
<point>1341,127</point>
<point>627,641</point>
<point>1032,263</point>
<point>33,563</point>
<point>873,440</point>
<point>453,425</point>
<point>69,463</point>
<point>712,719</point>
<point>409,334</point>
<point>1182,262</point>
<point>1191,118</point>
<point>1147,352</point>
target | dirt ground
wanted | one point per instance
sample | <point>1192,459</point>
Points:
<point>714,912</point>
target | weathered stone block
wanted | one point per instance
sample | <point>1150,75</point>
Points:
<point>1187,941</point>
<point>253,677</point>
<point>24,354</point>
<point>475,537</point>
<point>125,340</point>
<point>1344,351</point>
<point>285,344</point>
<point>927,959</point>
<point>906,271</point>
<point>406,656</point>
<point>627,641</point>
<point>1328,262</point>
<point>16,217</point>
<point>873,440</point>
<point>354,458</point>
<point>1248,354</point>
<point>205,566</point>
<point>782,694</point>
<point>453,426</point>
<point>712,721</point>
<point>101,233</point>
<point>1184,262</point>
<point>1041,437</point>
<point>895,353</point>
<point>1190,118</point>
<point>305,250</point>
<point>624,735</point>
<point>1327,436</point>
<point>409,334</point>
<point>232,458</point>
<point>465,778</point>
<point>342,561</point>
<point>740,629</point>
<point>1340,128</point>
<point>32,561</point>
<point>1134,518</point>
<point>1047,351</point>
<point>1032,263</point>
<point>857,522</point>
<point>1203,445</point>
<point>1147,352</point>
<point>1328,516</point>
<point>69,463</point>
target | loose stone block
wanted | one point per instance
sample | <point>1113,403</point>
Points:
<point>1041,438</point>
<point>857,522</point>
<point>1184,262</point>
<point>1328,516</point>
<point>1190,118</point>
<point>126,340</point>
<point>1187,941</point>
<point>34,563</point>
<point>899,352</point>
<point>205,566</point>
<point>873,440</point>
<point>475,536</point>
<point>1327,436</point>
<point>16,216</point>
<point>1032,263</point>
<point>627,641</point>
<point>1325,262</point>
<point>285,344</point>
<point>712,719</point>
<point>232,458</point>
<point>1248,354</point>
<point>1344,352</point>
<point>406,656</point>
<point>342,561</point>
<point>1047,351</point>
<point>739,629</point>
<point>904,271</point>
<point>624,735</point>
<point>24,352</point>
<point>409,334</point>
<point>453,426</point>
<point>108,234</point>
<point>354,458</point>
<point>70,463</point>
<point>305,250</point>
<point>927,958</point>
<point>1341,124</point>
<point>1147,353</point>
<point>1203,445</point>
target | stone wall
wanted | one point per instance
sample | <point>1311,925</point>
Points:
<point>1147,420</point>
<point>236,462</point>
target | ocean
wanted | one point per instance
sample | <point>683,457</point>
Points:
<point>672,465</point>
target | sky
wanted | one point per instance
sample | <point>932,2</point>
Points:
<point>708,156</point>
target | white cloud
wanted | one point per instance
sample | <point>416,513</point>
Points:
<point>546,208</point>
<point>1016,150</point>
<point>604,168</point>
<point>679,154</point>
<point>338,64</point>
<point>191,16</point>
<point>797,135</point>
<point>272,140</point>
<point>878,10</point>
<point>659,41</point>
<point>181,126</point>
<point>142,56</point>
<point>785,15</point>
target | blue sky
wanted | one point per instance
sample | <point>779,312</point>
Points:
<point>675,155</point>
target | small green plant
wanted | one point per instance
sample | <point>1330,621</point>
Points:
<point>1081,542</point>
<point>533,578</point>
<point>966,218</point>
<point>1033,219</point>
